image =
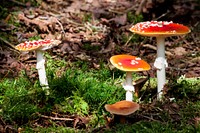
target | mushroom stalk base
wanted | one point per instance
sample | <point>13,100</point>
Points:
<point>41,71</point>
<point>160,64</point>
<point>129,96</point>
<point>128,86</point>
<point>119,119</point>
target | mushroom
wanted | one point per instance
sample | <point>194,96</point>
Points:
<point>129,64</point>
<point>39,46</point>
<point>160,30</point>
<point>121,109</point>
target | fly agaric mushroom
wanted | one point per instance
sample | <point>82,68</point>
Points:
<point>160,30</point>
<point>39,46</point>
<point>122,108</point>
<point>129,64</point>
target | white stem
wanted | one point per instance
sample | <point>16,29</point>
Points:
<point>161,75</point>
<point>129,96</point>
<point>128,86</point>
<point>129,78</point>
<point>41,70</point>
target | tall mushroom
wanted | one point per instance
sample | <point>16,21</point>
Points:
<point>122,108</point>
<point>39,46</point>
<point>160,30</point>
<point>129,64</point>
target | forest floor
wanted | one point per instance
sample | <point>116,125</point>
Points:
<point>94,30</point>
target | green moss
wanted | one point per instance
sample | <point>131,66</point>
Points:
<point>131,17</point>
<point>87,17</point>
<point>89,47</point>
<point>84,91</point>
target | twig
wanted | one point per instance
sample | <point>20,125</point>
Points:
<point>132,7</point>
<point>164,14</point>
<point>98,129</point>
<point>10,127</point>
<point>128,40</point>
<point>2,122</point>
<point>55,118</point>
<point>117,12</point>
<point>154,48</point>
<point>50,13</point>
<point>149,118</point>
<point>176,68</point>
<point>73,22</point>
<point>7,42</point>
<point>61,15</point>
<point>61,26</point>
<point>139,10</point>
<point>18,3</point>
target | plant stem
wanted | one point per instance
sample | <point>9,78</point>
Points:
<point>41,71</point>
<point>128,86</point>
<point>161,76</point>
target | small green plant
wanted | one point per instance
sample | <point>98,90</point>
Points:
<point>75,105</point>
<point>134,39</point>
<point>134,18</point>
<point>186,88</point>
<point>89,47</point>
<point>4,12</point>
<point>34,38</point>
<point>87,17</point>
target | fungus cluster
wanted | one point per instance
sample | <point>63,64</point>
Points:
<point>128,63</point>
<point>160,30</point>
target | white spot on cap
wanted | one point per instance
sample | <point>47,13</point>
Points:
<point>167,23</point>
<point>133,62</point>
<point>138,58</point>
<point>119,63</point>
<point>145,25</point>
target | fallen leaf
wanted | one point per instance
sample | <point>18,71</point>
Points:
<point>197,121</point>
<point>120,20</point>
<point>179,51</point>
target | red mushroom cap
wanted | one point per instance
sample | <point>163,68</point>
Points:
<point>37,45</point>
<point>159,28</point>
<point>122,107</point>
<point>129,63</point>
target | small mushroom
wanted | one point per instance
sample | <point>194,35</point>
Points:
<point>129,64</point>
<point>160,30</point>
<point>39,46</point>
<point>122,108</point>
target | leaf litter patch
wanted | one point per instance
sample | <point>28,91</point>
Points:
<point>93,28</point>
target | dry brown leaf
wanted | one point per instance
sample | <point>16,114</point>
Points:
<point>43,24</point>
<point>66,48</point>
<point>109,48</point>
<point>197,121</point>
<point>80,122</point>
<point>120,20</point>
<point>179,51</point>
